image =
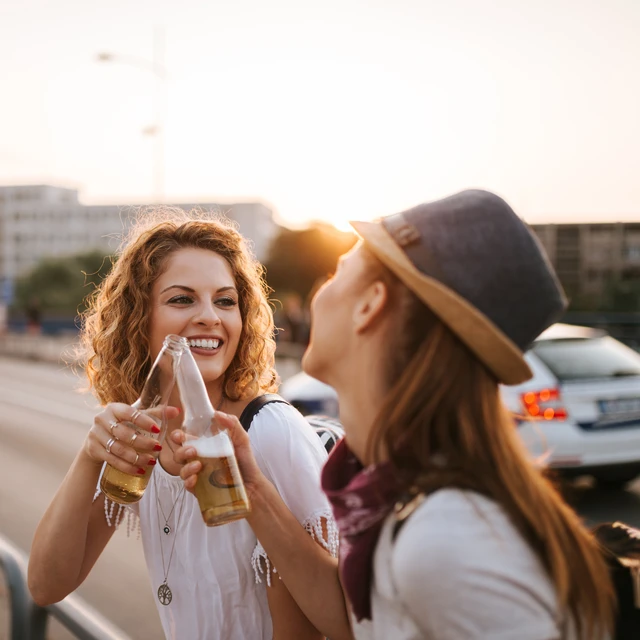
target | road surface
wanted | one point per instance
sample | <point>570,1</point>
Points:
<point>43,421</point>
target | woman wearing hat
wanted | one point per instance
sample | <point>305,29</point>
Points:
<point>447,528</point>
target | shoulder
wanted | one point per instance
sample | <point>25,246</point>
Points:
<point>451,507</point>
<point>291,455</point>
<point>456,528</point>
<point>279,416</point>
<point>279,429</point>
<point>484,567</point>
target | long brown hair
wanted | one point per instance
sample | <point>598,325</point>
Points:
<point>115,326</point>
<point>443,400</point>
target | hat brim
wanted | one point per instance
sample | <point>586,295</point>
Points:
<point>500,354</point>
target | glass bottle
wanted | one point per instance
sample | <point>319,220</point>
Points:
<point>125,488</point>
<point>219,489</point>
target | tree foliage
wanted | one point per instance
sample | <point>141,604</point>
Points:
<point>60,285</point>
<point>299,259</point>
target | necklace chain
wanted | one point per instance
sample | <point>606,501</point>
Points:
<point>167,527</point>
<point>164,592</point>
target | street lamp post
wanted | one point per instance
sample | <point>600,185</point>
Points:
<point>155,66</point>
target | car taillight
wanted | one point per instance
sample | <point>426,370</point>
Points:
<point>544,405</point>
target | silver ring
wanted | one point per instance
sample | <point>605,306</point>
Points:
<point>112,426</point>
<point>135,463</point>
<point>136,414</point>
<point>110,444</point>
<point>133,438</point>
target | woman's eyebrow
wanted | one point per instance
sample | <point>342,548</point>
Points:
<point>190,290</point>
<point>178,286</point>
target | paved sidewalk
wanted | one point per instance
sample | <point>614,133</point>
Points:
<point>55,349</point>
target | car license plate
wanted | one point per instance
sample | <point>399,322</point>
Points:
<point>620,406</point>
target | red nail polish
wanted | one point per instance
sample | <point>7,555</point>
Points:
<point>151,462</point>
<point>157,447</point>
<point>154,429</point>
<point>141,472</point>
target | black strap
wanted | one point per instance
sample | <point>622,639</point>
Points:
<point>254,407</point>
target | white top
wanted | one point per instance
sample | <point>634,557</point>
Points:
<point>215,573</point>
<point>459,570</point>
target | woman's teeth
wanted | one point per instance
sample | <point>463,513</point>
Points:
<point>204,344</point>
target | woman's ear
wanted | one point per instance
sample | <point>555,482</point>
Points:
<point>370,306</point>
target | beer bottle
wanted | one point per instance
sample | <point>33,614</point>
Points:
<point>125,488</point>
<point>219,489</point>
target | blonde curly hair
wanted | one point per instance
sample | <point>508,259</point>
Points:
<point>115,326</point>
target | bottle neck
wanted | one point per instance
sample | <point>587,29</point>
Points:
<point>175,345</point>
<point>160,382</point>
<point>196,405</point>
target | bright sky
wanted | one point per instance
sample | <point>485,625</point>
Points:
<point>331,110</point>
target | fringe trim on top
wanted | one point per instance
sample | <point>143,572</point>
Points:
<point>115,514</point>
<point>313,526</point>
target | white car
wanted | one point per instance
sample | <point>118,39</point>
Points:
<point>581,409</point>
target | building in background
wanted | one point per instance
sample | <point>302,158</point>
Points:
<point>42,221</point>
<point>591,258</point>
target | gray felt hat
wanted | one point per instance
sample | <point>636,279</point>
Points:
<point>479,268</point>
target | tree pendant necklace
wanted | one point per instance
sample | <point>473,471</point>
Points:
<point>165,596</point>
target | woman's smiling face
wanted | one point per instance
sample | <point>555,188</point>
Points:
<point>196,297</point>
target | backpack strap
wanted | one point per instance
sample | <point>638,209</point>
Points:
<point>404,509</point>
<point>328,429</point>
<point>254,407</point>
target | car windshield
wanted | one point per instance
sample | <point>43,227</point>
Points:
<point>588,358</point>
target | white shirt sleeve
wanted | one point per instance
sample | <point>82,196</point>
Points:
<point>463,572</point>
<point>290,454</point>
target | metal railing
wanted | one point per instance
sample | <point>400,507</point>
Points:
<point>28,621</point>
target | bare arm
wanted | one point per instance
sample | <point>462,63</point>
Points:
<point>309,572</point>
<point>73,531</point>
<point>289,623</point>
<point>71,535</point>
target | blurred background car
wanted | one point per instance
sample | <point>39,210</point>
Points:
<point>580,411</point>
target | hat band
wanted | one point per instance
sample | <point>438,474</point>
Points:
<point>409,239</point>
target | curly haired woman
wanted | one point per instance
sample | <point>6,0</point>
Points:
<point>192,276</point>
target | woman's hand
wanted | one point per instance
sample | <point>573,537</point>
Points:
<point>121,436</point>
<point>185,455</point>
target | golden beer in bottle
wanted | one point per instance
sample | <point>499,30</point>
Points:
<point>125,488</point>
<point>219,489</point>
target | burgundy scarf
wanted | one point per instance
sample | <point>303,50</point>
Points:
<point>361,499</point>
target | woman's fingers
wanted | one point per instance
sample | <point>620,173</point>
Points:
<point>129,462</point>
<point>120,449</point>
<point>135,469</point>
<point>184,452</point>
<point>242,445</point>
<point>140,419</point>
<point>139,440</point>
<point>239,436</point>
<point>162,413</point>
<point>178,436</point>
<point>124,436</point>
<point>185,455</point>
<point>189,473</point>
